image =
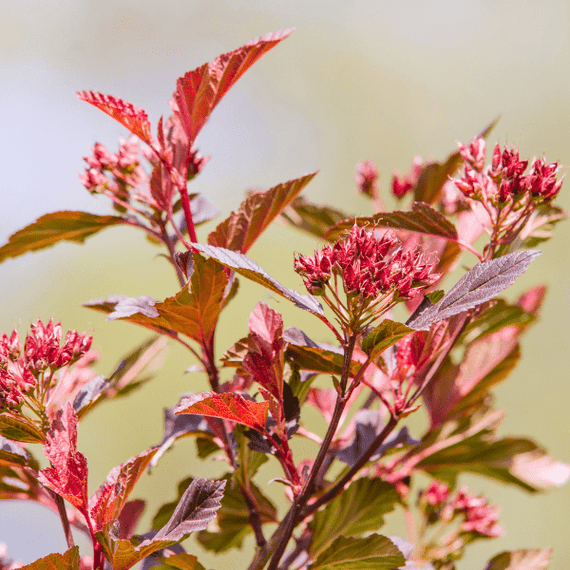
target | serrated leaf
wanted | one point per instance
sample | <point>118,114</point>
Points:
<point>477,286</point>
<point>20,429</point>
<point>361,508</point>
<point>69,560</point>
<point>199,91</point>
<point>422,219</point>
<point>240,231</point>
<point>315,219</point>
<point>386,334</point>
<point>134,119</point>
<point>248,268</point>
<point>227,406</point>
<point>53,228</point>
<point>375,552</point>
<point>107,502</point>
<point>524,559</point>
<point>233,520</point>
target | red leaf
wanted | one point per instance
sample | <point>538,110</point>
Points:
<point>256,212</point>
<point>136,120</point>
<point>200,90</point>
<point>228,406</point>
<point>108,501</point>
<point>67,475</point>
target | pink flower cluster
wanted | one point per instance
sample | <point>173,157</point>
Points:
<point>368,266</point>
<point>124,166</point>
<point>479,517</point>
<point>19,369</point>
<point>505,181</point>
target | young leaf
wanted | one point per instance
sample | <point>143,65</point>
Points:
<point>422,219</point>
<point>524,559</point>
<point>386,334</point>
<point>19,428</point>
<point>108,501</point>
<point>67,475</point>
<point>136,120</point>
<point>233,520</point>
<point>200,90</point>
<point>53,228</point>
<point>315,219</point>
<point>361,508</point>
<point>227,406</point>
<point>248,268</point>
<point>56,561</point>
<point>256,212</point>
<point>477,286</point>
<point>375,552</point>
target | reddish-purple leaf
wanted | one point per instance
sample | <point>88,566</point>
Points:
<point>193,311</point>
<point>200,90</point>
<point>315,219</point>
<point>256,212</point>
<point>129,517</point>
<point>108,501</point>
<point>136,120</point>
<point>480,284</point>
<point>422,219</point>
<point>196,509</point>
<point>246,267</point>
<point>227,406</point>
<point>53,228</point>
<point>67,475</point>
<point>56,561</point>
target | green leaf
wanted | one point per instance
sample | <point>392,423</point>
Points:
<point>248,268</point>
<point>67,561</point>
<point>384,336</point>
<point>317,359</point>
<point>240,231</point>
<point>422,219</point>
<point>361,508</point>
<point>524,559</point>
<point>233,520</point>
<point>18,428</point>
<point>53,228</point>
<point>541,227</point>
<point>11,452</point>
<point>315,219</point>
<point>375,552</point>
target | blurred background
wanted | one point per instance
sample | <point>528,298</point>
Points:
<point>357,80</point>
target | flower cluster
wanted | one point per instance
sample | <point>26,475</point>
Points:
<point>504,181</point>
<point>367,178</point>
<point>479,518</point>
<point>368,266</point>
<point>21,369</point>
<point>124,166</point>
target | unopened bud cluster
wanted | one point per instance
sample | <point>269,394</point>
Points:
<point>368,267</point>
<point>504,181</point>
<point>42,350</point>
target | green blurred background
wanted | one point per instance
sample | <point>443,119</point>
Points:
<point>357,80</point>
